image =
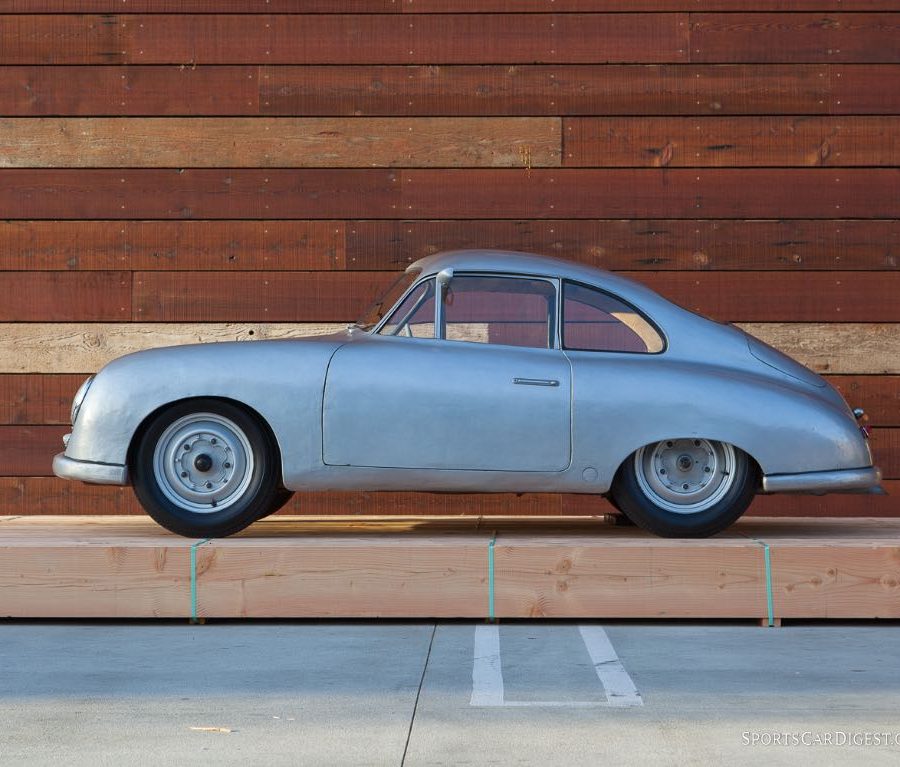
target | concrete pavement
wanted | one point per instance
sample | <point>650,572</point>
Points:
<point>447,694</point>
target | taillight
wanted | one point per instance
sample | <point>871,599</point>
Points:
<point>863,420</point>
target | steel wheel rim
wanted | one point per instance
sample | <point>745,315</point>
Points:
<point>685,476</point>
<point>203,463</point>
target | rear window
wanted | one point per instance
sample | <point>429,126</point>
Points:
<point>598,322</point>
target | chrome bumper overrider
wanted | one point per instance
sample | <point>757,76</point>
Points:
<point>818,482</point>
<point>96,473</point>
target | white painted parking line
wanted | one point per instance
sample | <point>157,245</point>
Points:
<point>620,689</point>
<point>487,673</point>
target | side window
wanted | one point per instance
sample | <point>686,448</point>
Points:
<point>596,321</point>
<point>500,310</point>
<point>414,317</point>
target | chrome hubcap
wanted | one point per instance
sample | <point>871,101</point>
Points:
<point>685,476</point>
<point>203,462</point>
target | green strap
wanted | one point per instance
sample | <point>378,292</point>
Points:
<point>491,577</point>
<point>770,603</point>
<point>194,617</point>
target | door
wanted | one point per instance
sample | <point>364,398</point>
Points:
<point>495,394</point>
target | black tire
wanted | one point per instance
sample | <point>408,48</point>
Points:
<point>634,495</point>
<point>281,498</point>
<point>206,443</point>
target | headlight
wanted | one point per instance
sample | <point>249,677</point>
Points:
<point>79,398</point>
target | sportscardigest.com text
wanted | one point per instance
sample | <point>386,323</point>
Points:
<point>823,738</point>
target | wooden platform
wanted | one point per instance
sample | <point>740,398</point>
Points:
<point>128,567</point>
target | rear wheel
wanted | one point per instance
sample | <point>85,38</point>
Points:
<point>206,468</point>
<point>685,488</point>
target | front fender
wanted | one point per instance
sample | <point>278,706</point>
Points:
<point>282,381</point>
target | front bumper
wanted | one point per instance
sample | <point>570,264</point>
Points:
<point>87,471</point>
<point>866,480</point>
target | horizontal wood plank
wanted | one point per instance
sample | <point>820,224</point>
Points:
<point>642,245</point>
<point>256,296</point>
<point>563,90</point>
<point>32,496</point>
<point>731,141</point>
<point>197,193</point>
<point>799,37</point>
<point>343,38</point>
<point>59,296</point>
<point>451,193</point>
<point>29,450</point>
<point>525,90</point>
<point>273,142</point>
<point>845,347</point>
<point>669,193</point>
<point>428,6</point>
<point>336,296</point>
<point>77,348</point>
<point>637,244</point>
<point>46,399</point>
<point>172,245</point>
<point>837,348</point>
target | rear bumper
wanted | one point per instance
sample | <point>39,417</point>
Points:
<point>87,471</point>
<point>819,482</point>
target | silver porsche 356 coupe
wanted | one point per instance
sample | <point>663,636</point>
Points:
<point>479,371</point>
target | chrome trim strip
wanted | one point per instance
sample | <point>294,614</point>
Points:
<point>95,473</point>
<point>536,381</point>
<point>822,481</point>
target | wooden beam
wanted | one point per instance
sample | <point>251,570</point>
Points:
<point>840,348</point>
<point>279,142</point>
<point>184,39</point>
<point>370,245</point>
<point>799,37</point>
<point>414,567</point>
<point>525,90</point>
<point>278,193</point>
<point>342,296</point>
<point>685,142</point>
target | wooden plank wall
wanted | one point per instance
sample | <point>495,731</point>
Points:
<point>173,171</point>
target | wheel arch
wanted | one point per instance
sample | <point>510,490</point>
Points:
<point>142,427</point>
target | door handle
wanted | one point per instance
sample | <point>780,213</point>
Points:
<point>535,381</point>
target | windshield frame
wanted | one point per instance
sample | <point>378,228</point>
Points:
<point>377,307</point>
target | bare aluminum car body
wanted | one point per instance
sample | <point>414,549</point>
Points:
<point>363,410</point>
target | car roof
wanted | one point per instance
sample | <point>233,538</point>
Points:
<point>515,262</point>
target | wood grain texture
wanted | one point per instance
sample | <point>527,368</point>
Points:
<point>636,245</point>
<point>197,193</point>
<point>830,348</point>
<point>864,90</point>
<point>428,6</point>
<point>731,141</point>
<point>835,348</point>
<point>53,496</point>
<point>673,193</point>
<point>526,90</point>
<point>37,399</point>
<point>279,142</point>
<point>58,296</point>
<point>345,38</point>
<point>560,90</point>
<point>335,296</point>
<point>451,193</point>
<point>256,296</point>
<point>796,37</point>
<point>173,245</point>
<point>74,348</point>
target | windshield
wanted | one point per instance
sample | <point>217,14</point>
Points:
<point>386,301</point>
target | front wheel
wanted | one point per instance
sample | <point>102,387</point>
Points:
<point>206,468</point>
<point>685,488</point>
